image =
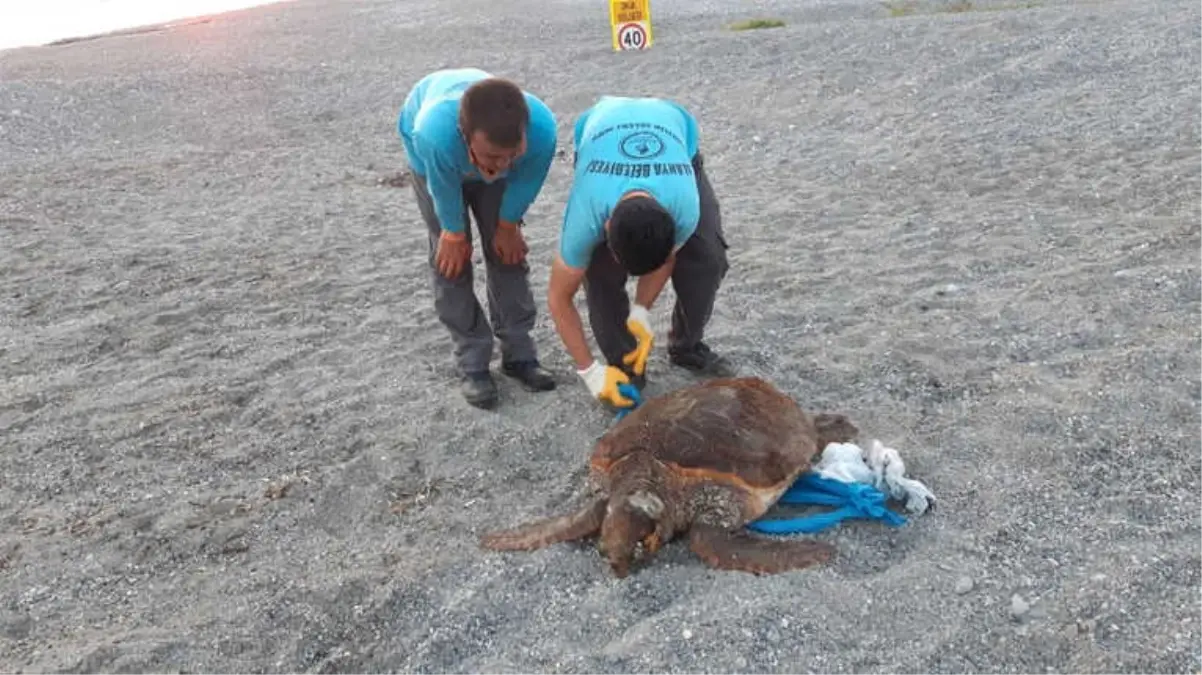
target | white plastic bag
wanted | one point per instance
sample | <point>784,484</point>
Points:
<point>881,467</point>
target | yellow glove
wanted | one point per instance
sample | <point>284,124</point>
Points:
<point>602,382</point>
<point>639,325</point>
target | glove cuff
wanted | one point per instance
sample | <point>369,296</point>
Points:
<point>593,376</point>
<point>641,314</point>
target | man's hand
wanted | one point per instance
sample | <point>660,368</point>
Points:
<point>509,243</point>
<point>453,253</point>
<point>639,325</point>
<point>602,382</point>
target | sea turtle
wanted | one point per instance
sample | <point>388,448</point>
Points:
<point>703,460</point>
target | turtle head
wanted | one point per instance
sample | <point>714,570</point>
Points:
<point>833,428</point>
<point>630,519</point>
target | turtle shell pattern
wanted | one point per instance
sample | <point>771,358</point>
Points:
<point>742,432</point>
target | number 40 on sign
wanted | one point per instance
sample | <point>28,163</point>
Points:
<point>630,23</point>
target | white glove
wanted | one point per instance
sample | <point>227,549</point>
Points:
<point>602,382</point>
<point>594,378</point>
<point>640,314</point>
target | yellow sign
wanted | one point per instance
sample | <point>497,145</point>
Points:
<point>630,23</point>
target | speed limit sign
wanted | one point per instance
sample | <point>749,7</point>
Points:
<point>632,36</point>
<point>630,24</point>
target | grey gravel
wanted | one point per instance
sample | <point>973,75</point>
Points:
<point>1018,607</point>
<point>231,440</point>
<point>963,585</point>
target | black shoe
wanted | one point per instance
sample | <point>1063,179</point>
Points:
<point>702,361</point>
<point>480,390</point>
<point>532,376</point>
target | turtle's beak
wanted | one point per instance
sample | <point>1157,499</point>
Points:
<point>620,567</point>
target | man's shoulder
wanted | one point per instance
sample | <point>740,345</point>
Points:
<point>542,127</point>
<point>537,106</point>
<point>581,230</point>
<point>437,88</point>
<point>436,127</point>
<point>437,116</point>
<point>642,103</point>
<point>607,105</point>
<point>688,123</point>
<point>626,109</point>
<point>439,81</point>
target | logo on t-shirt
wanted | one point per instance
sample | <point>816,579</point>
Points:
<point>642,145</point>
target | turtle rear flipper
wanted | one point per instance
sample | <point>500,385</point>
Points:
<point>727,550</point>
<point>540,533</point>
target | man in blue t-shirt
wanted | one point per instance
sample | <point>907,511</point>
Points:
<point>640,205</point>
<point>477,141</point>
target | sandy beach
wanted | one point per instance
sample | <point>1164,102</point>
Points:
<point>231,438</point>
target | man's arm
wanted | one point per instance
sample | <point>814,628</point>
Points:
<point>524,184</point>
<point>650,285</point>
<point>446,189</point>
<point>443,179</point>
<point>561,294</point>
<point>577,239</point>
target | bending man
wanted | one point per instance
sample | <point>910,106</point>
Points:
<point>640,205</point>
<point>474,140</point>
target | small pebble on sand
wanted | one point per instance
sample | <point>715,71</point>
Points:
<point>1018,607</point>
<point>963,585</point>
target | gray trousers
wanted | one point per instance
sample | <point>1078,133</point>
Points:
<point>701,266</point>
<point>511,308</point>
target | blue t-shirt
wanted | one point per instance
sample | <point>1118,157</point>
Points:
<point>625,144</point>
<point>436,150</point>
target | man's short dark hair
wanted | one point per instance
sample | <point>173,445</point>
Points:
<point>641,234</point>
<point>497,107</point>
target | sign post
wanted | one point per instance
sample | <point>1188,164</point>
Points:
<point>630,24</point>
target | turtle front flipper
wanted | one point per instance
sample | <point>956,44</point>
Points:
<point>540,533</point>
<point>727,550</point>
